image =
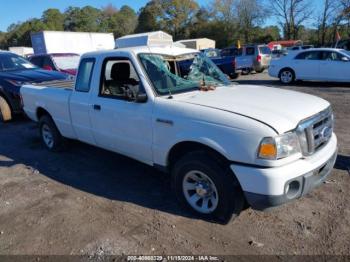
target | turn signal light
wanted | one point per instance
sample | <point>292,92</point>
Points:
<point>268,149</point>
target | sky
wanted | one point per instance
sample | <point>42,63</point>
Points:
<point>13,11</point>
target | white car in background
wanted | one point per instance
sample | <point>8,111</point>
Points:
<point>321,64</point>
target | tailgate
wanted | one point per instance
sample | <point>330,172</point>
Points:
<point>244,62</point>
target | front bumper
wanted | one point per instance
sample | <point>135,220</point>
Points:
<point>269,187</point>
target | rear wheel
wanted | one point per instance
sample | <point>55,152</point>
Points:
<point>205,186</point>
<point>246,71</point>
<point>287,76</point>
<point>50,135</point>
<point>5,110</point>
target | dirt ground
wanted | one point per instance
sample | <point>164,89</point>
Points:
<point>88,201</point>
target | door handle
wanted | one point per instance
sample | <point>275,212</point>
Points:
<point>97,107</point>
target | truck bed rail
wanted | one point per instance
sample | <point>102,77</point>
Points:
<point>68,84</point>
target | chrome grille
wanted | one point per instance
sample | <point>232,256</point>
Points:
<point>315,132</point>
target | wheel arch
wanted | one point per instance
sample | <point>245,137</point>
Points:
<point>181,148</point>
<point>40,111</point>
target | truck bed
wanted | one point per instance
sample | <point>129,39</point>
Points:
<point>52,97</point>
<point>67,84</point>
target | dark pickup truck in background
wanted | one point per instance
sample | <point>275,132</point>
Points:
<point>16,71</point>
<point>65,63</point>
<point>227,64</point>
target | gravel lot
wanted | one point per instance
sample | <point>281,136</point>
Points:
<point>90,201</point>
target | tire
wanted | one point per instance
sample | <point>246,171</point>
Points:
<point>246,71</point>
<point>50,135</point>
<point>259,71</point>
<point>234,76</point>
<point>287,76</point>
<point>5,110</point>
<point>216,194</point>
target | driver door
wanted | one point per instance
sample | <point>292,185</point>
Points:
<point>121,125</point>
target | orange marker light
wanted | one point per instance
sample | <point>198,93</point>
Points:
<point>268,151</point>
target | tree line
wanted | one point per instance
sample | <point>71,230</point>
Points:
<point>225,21</point>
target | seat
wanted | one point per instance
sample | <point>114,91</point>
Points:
<point>120,77</point>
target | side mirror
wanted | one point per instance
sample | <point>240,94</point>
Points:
<point>345,59</point>
<point>48,68</point>
<point>141,98</point>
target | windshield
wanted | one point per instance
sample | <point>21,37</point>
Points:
<point>12,62</point>
<point>67,61</point>
<point>183,73</point>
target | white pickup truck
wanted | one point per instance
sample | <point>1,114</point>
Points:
<point>223,144</point>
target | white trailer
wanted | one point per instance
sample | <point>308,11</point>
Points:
<point>21,50</point>
<point>198,44</point>
<point>158,38</point>
<point>48,42</point>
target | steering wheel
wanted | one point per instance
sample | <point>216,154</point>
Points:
<point>129,92</point>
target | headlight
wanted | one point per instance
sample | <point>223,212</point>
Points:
<point>279,147</point>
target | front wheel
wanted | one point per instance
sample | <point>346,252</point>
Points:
<point>50,135</point>
<point>205,186</point>
<point>234,75</point>
<point>287,76</point>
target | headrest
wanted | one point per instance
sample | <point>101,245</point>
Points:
<point>120,71</point>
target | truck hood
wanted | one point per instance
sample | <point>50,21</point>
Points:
<point>32,75</point>
<point>280,109</point>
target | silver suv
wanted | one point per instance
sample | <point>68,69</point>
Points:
<point>250,57</point>
<point>260,55</point>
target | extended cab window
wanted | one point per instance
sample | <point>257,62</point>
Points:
<point>118,77</point>
<point>84,75</point>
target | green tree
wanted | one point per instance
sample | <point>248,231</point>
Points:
<point>173,16</point>
<point>225,15</point>
<point>119,22</point>
<point>53,19</point>
<point>291,15</point>
<point>265,34</point>
<point>147,19</point>
<point>19,34</point>
<point>2,40</point>
<point>86,19</point>
<point>204,26</point>
<point>177,16</point>
<point>250,13</point>
<point>126,21</point>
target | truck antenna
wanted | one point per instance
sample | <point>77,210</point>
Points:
<point>170,94</point>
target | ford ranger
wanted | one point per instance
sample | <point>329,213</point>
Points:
<point>224,145</point>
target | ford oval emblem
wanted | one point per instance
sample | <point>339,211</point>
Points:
<point>326,133</point>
